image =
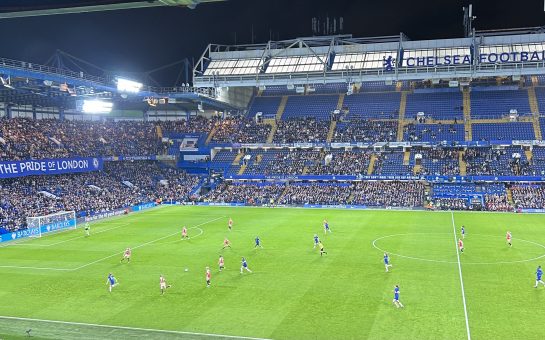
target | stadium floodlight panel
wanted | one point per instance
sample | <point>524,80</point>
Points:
<point>97,106</point>
<point>126,85</point>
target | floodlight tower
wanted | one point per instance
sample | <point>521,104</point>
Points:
<point>468,21</point>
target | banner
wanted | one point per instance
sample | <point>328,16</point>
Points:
<point>46,228</point>
<point>10,169</point>
<point>144,206</point>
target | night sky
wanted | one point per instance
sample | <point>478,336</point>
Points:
<point>143,39</point>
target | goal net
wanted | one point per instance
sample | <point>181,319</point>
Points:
<point>38,225</point>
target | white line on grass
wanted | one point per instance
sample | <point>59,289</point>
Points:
<point>460,272</point>
<point>133,328</point>
<point>70,239</point>
<point>143,244</point>
<point>116,254</point>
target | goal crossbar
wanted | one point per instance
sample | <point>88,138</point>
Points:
<point>38,225</point>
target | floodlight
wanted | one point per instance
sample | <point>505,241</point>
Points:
<point>97,106</point>
<point>125,85</point>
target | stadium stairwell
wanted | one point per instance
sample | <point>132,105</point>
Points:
<point>242,169</point>
<point>534,107</point>
<point>278,117</point>
<point>535,81</point>
<point>211,134</point>
<point>406,157</point>
<point>510,196</point>
<point>416,169</point>
<point>333,123</point>
<point>529,155</point>
<point>467,114</point>
<point>237,159</point>
<point>401,123</point>
<point>274,127</point>
<point>371,165</point>
<point>461,163</point>
<point>159,131</point>
<point>331,131</point>
<point>281,108</point>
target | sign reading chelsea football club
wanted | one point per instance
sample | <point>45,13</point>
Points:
<point>10,169</point>
<point>389,62</point>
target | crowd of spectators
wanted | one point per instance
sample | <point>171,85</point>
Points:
<point>528,196</point>
<point>388,194</point>
<point>343,163</point>
<point>428,134</point>
<point>451,204</point>
<point>252,194</point>
<point>239,130</point>
<point>369,193</point>
<point>315,194</point>
<point>92,192</point>
<point>365,131</point>
<point>303,130</point>
<point>22,138</point>
<point>439,161</point>
<point>198,124</point>
<point>497,202</point>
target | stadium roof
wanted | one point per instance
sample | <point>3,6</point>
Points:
<point>14,9</point>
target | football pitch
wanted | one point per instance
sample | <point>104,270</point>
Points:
<point>56,285</point>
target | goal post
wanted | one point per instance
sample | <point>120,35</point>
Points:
<point>38,225</point>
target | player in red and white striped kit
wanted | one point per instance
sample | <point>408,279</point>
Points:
<point>221,263</point>
<point>184,233</point>
<point>461,245</point>
<point>127,255</point>
<point>208,276</point>
<point>509,238</point>
<point>163,284</point>
<point>230,225</point>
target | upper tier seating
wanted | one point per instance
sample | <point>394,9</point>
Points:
<point>503,131</point>
<point>434,132</point>
<point>437,105</point>
<point>318,107</point>
<point>496,104</point>
<point>373,105</point>
<point>267,105</point>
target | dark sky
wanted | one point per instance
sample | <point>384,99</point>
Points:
<point>143,39</point>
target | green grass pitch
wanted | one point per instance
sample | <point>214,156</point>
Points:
<point>292,293</point>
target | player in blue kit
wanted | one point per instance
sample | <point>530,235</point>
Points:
<point>111,282</point>
<point>463,232</point>
<point>539,274</point>
<point>387,261</point>
<point>244,266</point>
<point>396,301</point>
<point>326,227</point>
<point>257,242</point>
<point>316,240</point>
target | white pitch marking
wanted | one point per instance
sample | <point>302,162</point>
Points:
<point>70,239</point>
<point>143,244</point>
<point>374,243</point>
<point>460,272</point>
<point>133,328</point>
<point>116,254</point>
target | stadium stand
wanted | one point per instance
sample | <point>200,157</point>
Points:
<point>433,132</point>
<point>435,103</point>
<point>266,105</point>
<point>503,131</point>
<point>318,107</point>
<point>496,102</point>
<point>120,185</point>
<point>373,105</point>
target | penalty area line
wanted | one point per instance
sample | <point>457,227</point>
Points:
<point>144,244</point>
<point>132,328</point>
<point>460,272</point>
